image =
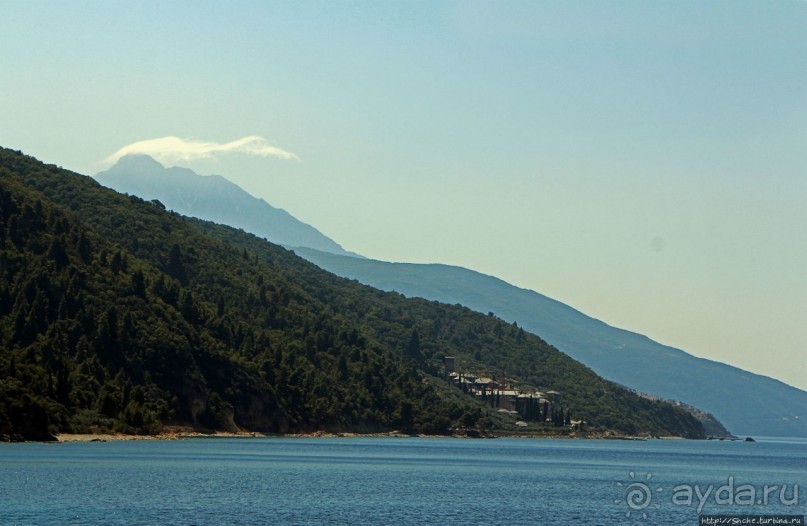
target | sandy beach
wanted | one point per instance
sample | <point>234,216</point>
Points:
<point>168,433</point>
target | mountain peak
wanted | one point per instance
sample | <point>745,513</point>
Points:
<point>136,161</point>
<point>213,198</point>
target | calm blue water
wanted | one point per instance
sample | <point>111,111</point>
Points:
<point>392,481</point>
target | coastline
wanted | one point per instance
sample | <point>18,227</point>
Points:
<point>168,433</point>
<point>188,434</point>
<point>183,433</point>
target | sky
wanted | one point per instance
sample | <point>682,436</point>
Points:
<point>644,162</point>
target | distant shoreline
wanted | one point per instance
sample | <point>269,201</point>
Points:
<point>190,434</point>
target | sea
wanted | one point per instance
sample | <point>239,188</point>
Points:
<point>385,480</point>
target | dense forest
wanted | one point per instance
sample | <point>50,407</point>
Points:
<point>116,314</point>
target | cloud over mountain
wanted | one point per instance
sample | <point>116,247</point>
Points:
<point>172,149</point>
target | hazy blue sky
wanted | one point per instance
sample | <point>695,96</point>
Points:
<point>643,161</point>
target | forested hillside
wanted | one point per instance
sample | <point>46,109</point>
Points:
<point>117,314</point>
<point>747,403</point>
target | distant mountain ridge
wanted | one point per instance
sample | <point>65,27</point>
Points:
<point>214,198</point>
<point>747,403</point>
